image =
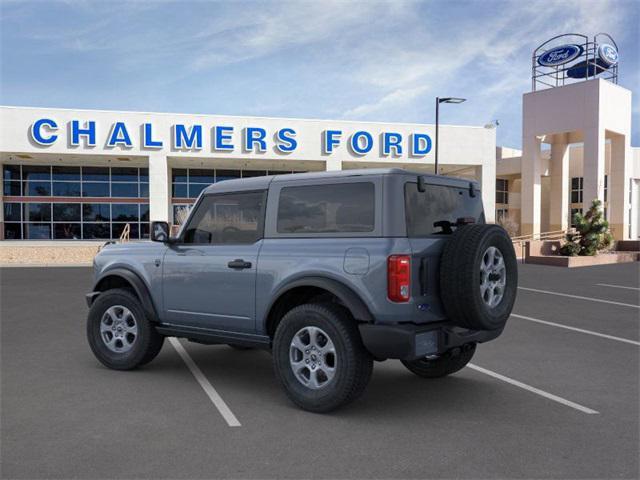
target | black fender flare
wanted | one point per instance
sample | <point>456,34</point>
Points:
<point>346,295</point>
<point>138,285</point>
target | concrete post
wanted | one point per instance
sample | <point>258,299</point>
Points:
<point>559,208</point>
<point>593,166</point>
<point>486,176</point>
<point>333,164</point>
<point>531,185</point>
<point>618,188</point>
<point>159,187</point>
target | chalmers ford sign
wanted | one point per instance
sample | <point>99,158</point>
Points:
<point>222,138</point>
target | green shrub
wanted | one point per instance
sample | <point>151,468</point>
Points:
<point>592,233</point>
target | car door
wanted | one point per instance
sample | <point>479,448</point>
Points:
<point>209,275</point>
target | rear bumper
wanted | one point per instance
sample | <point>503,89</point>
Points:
<point>409,342</point>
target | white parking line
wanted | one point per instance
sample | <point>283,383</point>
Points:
<point>600,300</point>
<point>581,330</point>
<point>213,395</point>
<point>535,390</point>
<point>616,286</point>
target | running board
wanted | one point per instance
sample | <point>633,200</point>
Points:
<point>212,337</point>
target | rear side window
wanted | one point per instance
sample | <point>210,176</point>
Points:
<point>438,203</point>
<point>330,208</point>
<point>235,218</point>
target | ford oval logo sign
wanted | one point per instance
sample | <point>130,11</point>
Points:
<point>560,55</point>
<point>608,54</point>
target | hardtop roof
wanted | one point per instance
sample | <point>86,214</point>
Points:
<point>262,183</point>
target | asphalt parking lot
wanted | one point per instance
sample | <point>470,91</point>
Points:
<point>556,396</point>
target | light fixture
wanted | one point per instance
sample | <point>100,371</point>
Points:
<point>440,100</point>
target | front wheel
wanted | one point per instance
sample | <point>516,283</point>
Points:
<point>119,332</point>
<point>319,357</point>
<point>446,364</point>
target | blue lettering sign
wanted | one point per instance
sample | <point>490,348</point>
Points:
<point>331,138</point>
<point>391,140</point>
<point>89,131</point>
<point>147,137</point>
<point>221,137</point>
<point>420,144</point>
<point>286,140</point>
<point>359,147</point>
<point>186,139</point>
<point>36,131</point>
<point>119,136</point>
<point>255,136</point>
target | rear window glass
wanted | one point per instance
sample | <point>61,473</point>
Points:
<point>438,203</point>
<point>331,208</point>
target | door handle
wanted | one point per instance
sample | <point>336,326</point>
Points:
<point>239,264</point>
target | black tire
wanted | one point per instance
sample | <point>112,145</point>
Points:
<point>353,364</point>
<point>240,347</point>
<point>147,342</point>
<point>447,364</point>
<point>461,277</point>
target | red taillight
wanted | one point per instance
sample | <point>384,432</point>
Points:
<point>398,278</point>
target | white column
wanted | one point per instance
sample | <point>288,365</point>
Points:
<point>159,187</point>
<point>531,186</point>
<point>593,166</point>
<point>333,164</point>
<point>486,176</point>
<point>618,188</point>
<point>559,206</point>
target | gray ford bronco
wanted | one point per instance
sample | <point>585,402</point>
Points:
<point>329,271</point>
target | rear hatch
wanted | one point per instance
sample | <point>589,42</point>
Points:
<point>434,208</point>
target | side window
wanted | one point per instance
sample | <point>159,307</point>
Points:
<point>235,218</point>
<point>331,208</point>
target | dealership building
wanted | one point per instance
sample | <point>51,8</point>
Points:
<point>87,174</point>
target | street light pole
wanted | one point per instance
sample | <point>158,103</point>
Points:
<point>438,102</point>
<point>437,129</point>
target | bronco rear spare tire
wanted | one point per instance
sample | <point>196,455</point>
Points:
<point>479,277</point>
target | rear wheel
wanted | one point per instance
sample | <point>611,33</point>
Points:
<point>446,364</point>
<point>319,357</point>
<point>119,332</point>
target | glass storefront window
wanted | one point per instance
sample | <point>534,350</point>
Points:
<point>12,231</point>
<point>36,172</point>
<point>66,173</point>
<point>95,174</point>
<point>95,189</point>
<point>69,231</point>
<point>124,212</point>
<point>91,231</point>
<point>96,212</point>
<point>66,212</point>
<point>196,188</point>
<point>12,188</point>
<point>66,189</point>
<point>12,212</point>
<point>37,189</point>
<point>37,212</point>
<point>11,172</point>
<point>37,231</point>
<point>124,190</point>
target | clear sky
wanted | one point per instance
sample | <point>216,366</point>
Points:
<point>368,60</point>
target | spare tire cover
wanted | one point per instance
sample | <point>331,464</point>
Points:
<point>479,277</point>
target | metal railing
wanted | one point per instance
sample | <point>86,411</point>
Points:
<point>126,231</point>
<point>520,242</point>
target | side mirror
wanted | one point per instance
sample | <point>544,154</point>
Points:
<point>160,232</point>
